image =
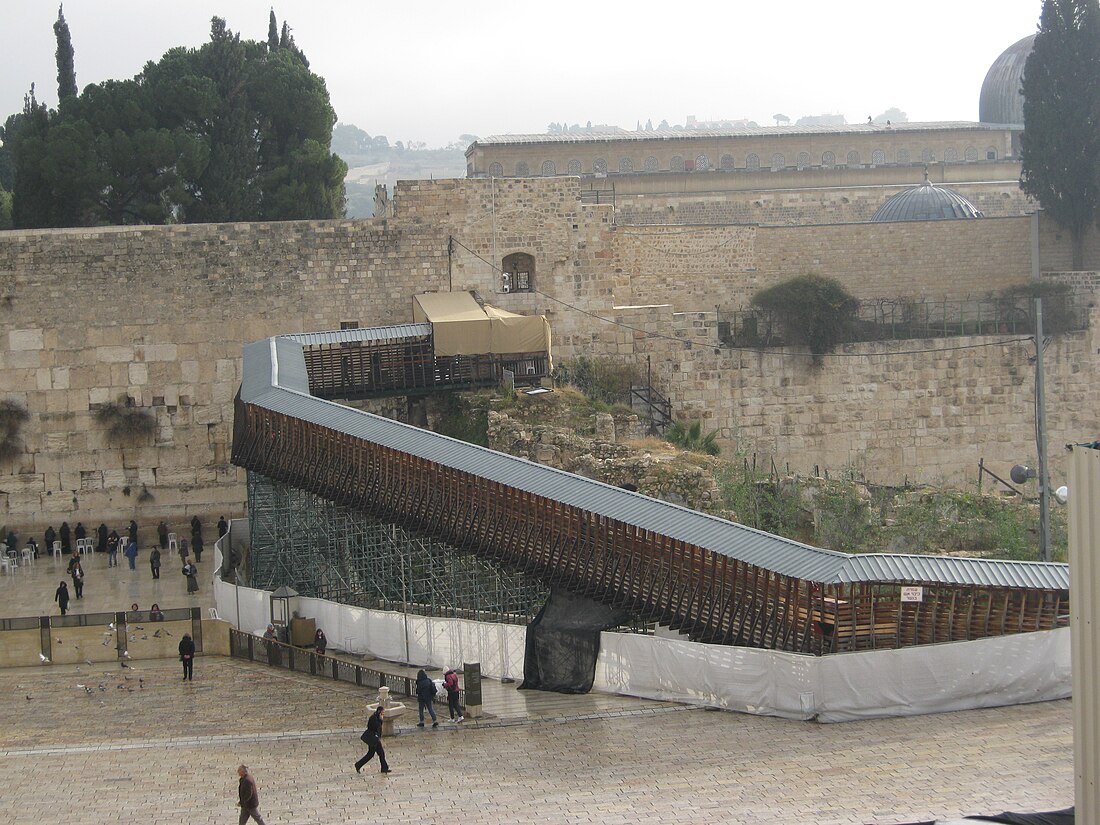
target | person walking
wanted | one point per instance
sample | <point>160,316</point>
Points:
<point>112,549</point>
<point>425,698</point>
<point>191,572</point>
<point>184,550</point>
<point>154,561</point>
<point>187,656</point>
<point>249,801</point>
<point>61,596</point>
<point>77,572</point>
<point>373,737</point>
<point>162,535</point>
<point>450,682</point>
<point>131,554</point>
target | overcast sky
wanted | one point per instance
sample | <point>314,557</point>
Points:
<point>430,71</point>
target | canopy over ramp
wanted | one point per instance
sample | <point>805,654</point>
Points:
<point>461,326</point>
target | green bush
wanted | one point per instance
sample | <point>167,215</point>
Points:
<point>811,310</point>
<point>691,437</point>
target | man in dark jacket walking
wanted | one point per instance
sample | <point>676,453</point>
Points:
<point>249,796</point>
<point>373,737</point>
<point>425,698</point>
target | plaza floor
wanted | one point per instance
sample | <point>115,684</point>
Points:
<point>100,744</point>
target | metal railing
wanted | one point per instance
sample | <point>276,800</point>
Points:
<point>304,660</point>
<point>899,320</point>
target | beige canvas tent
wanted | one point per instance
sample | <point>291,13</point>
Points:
<point>461,327</point>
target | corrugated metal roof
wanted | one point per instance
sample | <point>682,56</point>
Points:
<point>290,396</point>
<point>396,332</point>
<point>760,131</point>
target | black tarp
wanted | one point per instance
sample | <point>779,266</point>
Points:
<point>563,642</point>
<point>1063,817</point>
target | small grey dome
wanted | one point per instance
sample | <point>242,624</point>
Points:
<point>1001,101</point>
<point>926,202</point>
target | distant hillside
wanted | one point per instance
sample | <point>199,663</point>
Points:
<point>372,161</point>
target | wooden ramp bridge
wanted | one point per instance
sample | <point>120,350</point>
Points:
<point>712,579</point>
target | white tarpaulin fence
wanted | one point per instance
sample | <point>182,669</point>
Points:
<point>1004,670</point>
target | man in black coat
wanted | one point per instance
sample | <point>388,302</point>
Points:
<point>373,737</point>
<point>187,655</point>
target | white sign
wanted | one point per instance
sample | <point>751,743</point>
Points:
<point>912,594</point>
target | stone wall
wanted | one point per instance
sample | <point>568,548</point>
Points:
<point>158,315</point>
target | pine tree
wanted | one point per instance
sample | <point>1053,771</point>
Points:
<point>1061,139</point>
<point>66,70</point>
<point>272,32</point>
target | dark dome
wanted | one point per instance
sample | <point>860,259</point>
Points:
<point>1001,101</point>
<point>925,203</point>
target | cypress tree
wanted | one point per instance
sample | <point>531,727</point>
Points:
<point>1061,139</point>
<point>272,32</point>
<point>66,69</point>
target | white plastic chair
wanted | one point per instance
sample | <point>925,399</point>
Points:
<point>28,556</point>
<point>7,565</point>
<point>85,547</point>
<point>173,545</point>
<point>57,550</point>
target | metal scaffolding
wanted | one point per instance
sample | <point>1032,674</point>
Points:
<point>329,551</point>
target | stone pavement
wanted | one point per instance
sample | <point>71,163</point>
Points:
<point>144,746</point>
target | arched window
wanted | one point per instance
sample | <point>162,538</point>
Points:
<point>496,170</point>
<point>878,157</point>
<point>599,166</point>
<point>927,155</point>
<point>828,159</point>
<point>574,167</point>
<point>517,272</point>
<point>726,163</point>
<point>971,154</point>
<point>651,165</point>
<point>853,158</point>
<point>626,165</point>
<point>702,163</point>
<point>990,153</point>
<point>522,169</point>
<point>803,160</point>
<point>548,168</point>
<point>951,155</point>
<point>778,162</point>
<point>676,164</point>
<point>903,156</point>
<point>752,163</point>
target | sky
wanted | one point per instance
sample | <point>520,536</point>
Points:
<point>431,71</point>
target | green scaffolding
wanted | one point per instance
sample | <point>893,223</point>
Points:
<point>328,551</point>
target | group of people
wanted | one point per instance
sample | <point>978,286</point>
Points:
<point>109,542</point>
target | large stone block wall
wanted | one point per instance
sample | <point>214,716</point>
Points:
<point>160,315</point>
<point>801,206</point>
<point>925,410</point>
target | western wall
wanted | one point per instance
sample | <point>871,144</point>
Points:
<point>159,315</point>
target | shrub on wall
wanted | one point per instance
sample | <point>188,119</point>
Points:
<point>812,310</point>
<point>1058,311</point>
<point>601,379</point>
<point>12,417</point>
<point>691,437</point>
<point>125,422</point>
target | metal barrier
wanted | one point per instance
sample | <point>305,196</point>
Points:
<point>303,660</point>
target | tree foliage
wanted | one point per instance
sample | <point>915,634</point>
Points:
<point>235,130</point>
<point>66,67</point>
<point>1060,145</point>
<point>812,310</point>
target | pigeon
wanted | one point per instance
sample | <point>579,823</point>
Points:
<point>28,697</point>
<point>123,664</point>
<point>58,641</point>
<point>133,638</point>
<point>106,642</point>
<point>125,654</point>
<point>81,686</point>
<point>156,635</point>
<point>111,625</point>
<point>143,636</point>
<point>87,661</point>
<point>45,659</point>
<point>138,627</point>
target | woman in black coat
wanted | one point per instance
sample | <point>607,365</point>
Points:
<point>61,596</point>
<point>66,537</point>
<point>187,655</point>
<point>373,737</point>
